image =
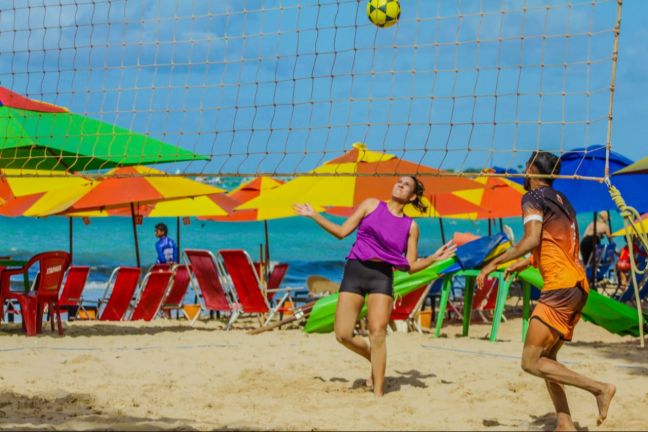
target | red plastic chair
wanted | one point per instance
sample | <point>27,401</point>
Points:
<point>208,272</point>
<point>52,267</point>
<point>178,290</point>
<point>155,286</point>
<point>119,292</point>
<point>75,282</point>
<point>245,281</point>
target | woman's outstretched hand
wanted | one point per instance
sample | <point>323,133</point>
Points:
<point>304,210</point>
<point>446,251</point>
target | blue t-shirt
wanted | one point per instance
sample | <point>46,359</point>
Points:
<point>167,251</point>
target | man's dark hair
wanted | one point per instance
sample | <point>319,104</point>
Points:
<point>546,163</point>
<point>162,227</point>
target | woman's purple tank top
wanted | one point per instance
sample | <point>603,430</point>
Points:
<point>382,236</point>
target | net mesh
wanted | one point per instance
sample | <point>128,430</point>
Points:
<point>280,87</point>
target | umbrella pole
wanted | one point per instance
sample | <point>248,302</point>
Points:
<point>490,228</point>
<point>137,254</point>
<point>593,256</point>
<point>443,237</point>
<point>178,232</point>
<point>71,243</point>
<point>267,250</point>
<point>501,223</point>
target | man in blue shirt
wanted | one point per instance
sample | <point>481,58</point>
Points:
<point>167,251</point>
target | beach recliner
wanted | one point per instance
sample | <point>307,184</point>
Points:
<point>407,307</point>
<point>45,290</point>
<point>210,281</point>
<point>117,296</point>
<point>245,282</point>
<point>154,289</point>
<point>175,298</point>
<point>71,298</point>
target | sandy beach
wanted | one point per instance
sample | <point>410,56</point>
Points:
<point>168,375</point>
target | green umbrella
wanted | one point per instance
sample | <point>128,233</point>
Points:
<point>35,135</point>
<point>639,167</point>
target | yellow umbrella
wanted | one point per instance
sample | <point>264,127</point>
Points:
<point>37,192</point>
<point>347,181</point>
<point>120,189</point>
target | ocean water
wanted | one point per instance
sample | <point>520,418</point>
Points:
<point>106,243</point>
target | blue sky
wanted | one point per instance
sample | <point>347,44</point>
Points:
<point>282,86</point>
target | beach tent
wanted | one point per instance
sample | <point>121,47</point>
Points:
<point>592,196</point>
<point>39,135</point>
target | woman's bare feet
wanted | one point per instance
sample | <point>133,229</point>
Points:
<point>603,401</point>
<point>565,423</point>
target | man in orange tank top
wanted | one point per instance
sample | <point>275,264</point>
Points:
<point>551,235</point>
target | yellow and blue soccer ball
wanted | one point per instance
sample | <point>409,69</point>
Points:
<point>383,13</point>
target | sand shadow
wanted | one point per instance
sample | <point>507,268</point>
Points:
<point>73,411</point>
<point>411,378</point>
<point>627,350</point>
<point>548,422</point>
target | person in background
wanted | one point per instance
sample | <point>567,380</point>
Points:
<point>167,251</point>
<point>590,240</point>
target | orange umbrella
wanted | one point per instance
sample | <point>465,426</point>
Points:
<point>132,187</point>
<point>495,198</point>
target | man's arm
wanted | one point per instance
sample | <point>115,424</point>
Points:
<point>531,240</point>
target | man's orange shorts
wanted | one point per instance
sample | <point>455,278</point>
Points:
<point>561,309</point>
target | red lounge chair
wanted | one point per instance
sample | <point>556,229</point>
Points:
<point>75,281</point>
<point>208,272</point>
<point>245,281</point>
<point>406,307</point>
<point>45,290</point>
<point>119,292</point>
<point>155,286</point>
<point>177,292</point>
<point>485,298</point>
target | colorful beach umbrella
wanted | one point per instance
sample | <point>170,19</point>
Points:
<point>348,180</point>
<point>38,192</point>
<point>122,189</point>
<point>38,135</point>
<point>495,198</point>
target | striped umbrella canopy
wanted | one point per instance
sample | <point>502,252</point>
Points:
<point>38,192</point>
<point>639,167</point>
<point>348,180</point>
<point>39,135</point>
<point>255,188</point>
<point>123,189</point>
<point>496,198</point>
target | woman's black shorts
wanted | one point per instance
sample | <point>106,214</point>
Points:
<point>368,277</point>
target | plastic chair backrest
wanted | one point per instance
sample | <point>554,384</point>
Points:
<point>245,280</point>
<point>179,287</point>
<point>155,287</point>
<point>205,270</point>
<point>53,266</point>
<point>75,281</point>
<point>122,293</point>
<point>277,275</point>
